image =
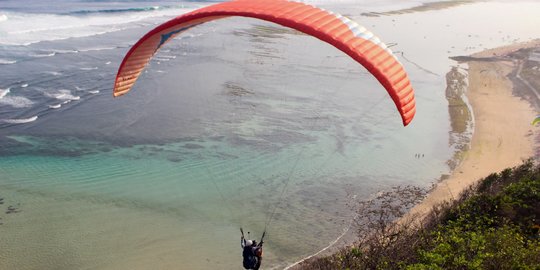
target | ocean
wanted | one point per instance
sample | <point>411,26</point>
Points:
<point>236,123</point>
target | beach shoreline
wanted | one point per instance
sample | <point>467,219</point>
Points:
<point>488,140</point>
<point>501,113</point>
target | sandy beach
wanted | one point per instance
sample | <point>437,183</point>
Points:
<point>497,109</point>
<point>502,132</point>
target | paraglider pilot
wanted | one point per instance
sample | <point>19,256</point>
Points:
<point>251,252</point>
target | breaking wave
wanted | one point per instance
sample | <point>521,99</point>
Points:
<point>7,62</point>
<point>29,28</point>
<point>45,54</point>
<point>20,120</point>
<point>63,94</point>
<point>3,92</point>
<point>16,101</point>
<point>54,73</point>
<point>121,10</point>
<point>88,68</point>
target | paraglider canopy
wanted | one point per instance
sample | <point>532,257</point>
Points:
<point>341,32</point>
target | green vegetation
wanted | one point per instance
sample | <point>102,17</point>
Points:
<point>492,225</point>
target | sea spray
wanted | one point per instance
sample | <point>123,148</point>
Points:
<point>4,92</point>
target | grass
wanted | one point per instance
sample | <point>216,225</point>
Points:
<point>492,225</point>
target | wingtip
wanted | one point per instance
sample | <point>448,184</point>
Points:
<point>407,118</point>
<point>118,94</point>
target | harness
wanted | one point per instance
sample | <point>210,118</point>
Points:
<point>250,259</point>
<point>252,254</point>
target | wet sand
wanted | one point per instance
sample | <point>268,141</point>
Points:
<point>502,136</point>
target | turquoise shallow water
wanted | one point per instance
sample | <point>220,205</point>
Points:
<point>235,123</point>
<point>206,189</point>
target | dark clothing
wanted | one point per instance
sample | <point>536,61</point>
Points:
<point>249,253</point>
<point>250,260</point>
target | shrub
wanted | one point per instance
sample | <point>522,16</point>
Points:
<point>492,225</point>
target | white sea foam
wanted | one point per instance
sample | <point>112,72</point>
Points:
<point>24,85</point>
<point>44,54</point>
<point>164,57</point>
<point>190,35</point>
<point>29,28</point>
<point>90,49</point>
<point>55,106</point>
<point>88,68</point>
<point>3,92</point>
<point>20,120</point>
<point>108,63</point>
<point>94,92</point>
<point>55,73</point>
<point>64,51</point>
<point>16,101</point>
<point>63,94</point>
<point>72,97</point>
<point>7,61</point>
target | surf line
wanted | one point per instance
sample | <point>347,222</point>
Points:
<point>345,231</point>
